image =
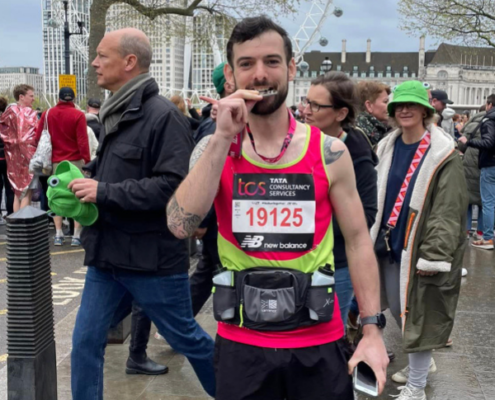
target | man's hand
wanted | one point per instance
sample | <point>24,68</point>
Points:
<point>199,233</point>
<point>371,350</point>
<point>232,112</point>
<point>189,104</point>
<point>84,189</point>
<point>463,139</point>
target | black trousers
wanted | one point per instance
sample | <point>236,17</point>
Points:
<point>5,185</point>
<point>140,327</point>
<point>246,372</point>
<point>201,280</point>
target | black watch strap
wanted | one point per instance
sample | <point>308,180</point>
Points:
<point>378,320</point>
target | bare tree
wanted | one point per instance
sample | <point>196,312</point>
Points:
<point>161,13</point>
<point>469,21</point>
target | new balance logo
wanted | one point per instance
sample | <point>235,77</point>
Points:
<point>252,242</point>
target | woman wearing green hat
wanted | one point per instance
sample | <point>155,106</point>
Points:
<point>419,231</point>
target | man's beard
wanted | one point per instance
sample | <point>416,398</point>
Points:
<point>269,104</point>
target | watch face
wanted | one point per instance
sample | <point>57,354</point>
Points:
<point>382,321</point>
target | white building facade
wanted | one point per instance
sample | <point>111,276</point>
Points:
<point>467,74</point>
<point>54,48</point>
<point>13,76</point>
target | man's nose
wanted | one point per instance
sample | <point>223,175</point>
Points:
<point>260,74</point>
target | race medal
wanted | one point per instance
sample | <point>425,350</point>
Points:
<point>274,212</point>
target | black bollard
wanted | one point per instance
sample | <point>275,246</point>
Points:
<point>31,365</point>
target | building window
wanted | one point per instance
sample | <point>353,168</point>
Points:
<point>380,74</point>
<point>413,74</point>
<point>314,74</point>
<point>363,74</point>
<point>442,74</point>
<point>372,74</point>
<point>405,74</point>
<point>389,74</point>
<point>355,68</point>
<point>339,67</point>
<point>397,74</point>
<point>372,68</point>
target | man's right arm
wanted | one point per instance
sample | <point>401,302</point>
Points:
<point>194,198</point>
<point>487,139</point>
<point>192,201</point>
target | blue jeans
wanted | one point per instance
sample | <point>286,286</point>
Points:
<point>165,299</point>
<point>344,290</point>
<point>487,190</point>
<point>469,222</point>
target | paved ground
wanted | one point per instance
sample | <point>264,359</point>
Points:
<point>465,371</point>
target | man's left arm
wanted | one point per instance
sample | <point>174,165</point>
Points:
<point>170,149</point>
<point>360,255</point>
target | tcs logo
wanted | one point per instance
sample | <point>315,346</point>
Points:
<point>251,188</point>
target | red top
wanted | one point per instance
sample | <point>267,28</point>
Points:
<point>244,180</point>
<point>68,131</point>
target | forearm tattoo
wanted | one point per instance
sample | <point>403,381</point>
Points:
<point>181,223</point>
<point>330,156</point>
<point>198,151</point>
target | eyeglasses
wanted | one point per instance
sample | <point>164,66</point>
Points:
<point>315,107</point>
<point>410,106</point>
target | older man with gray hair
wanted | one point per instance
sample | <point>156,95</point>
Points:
<point>131,254</point>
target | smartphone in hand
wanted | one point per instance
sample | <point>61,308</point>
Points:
<point>364,380</point>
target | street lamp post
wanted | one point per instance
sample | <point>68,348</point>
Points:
<point>326,66</point>
<point>68,34</point>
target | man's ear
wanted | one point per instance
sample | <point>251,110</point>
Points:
<point>292,69</point>
<point>130,62</point>
<point>229,74</point>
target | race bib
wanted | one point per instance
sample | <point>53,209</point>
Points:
<point>274,212</point>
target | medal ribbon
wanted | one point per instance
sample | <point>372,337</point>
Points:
<point>285,145</point>
<point>418,156</point>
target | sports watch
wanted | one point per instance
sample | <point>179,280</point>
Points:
<point>378,320</point>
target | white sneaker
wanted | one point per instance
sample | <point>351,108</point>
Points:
<point>403,375</point>
<point>464,272</point>
<point>410,393</point>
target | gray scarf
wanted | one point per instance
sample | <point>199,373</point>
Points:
<point>115,105</point>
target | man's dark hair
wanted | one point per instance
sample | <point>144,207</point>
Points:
<point>21,90</point>
<point>250,28</point>
<point>491,99</point>
<point>3,104</point>
<point>342,93</point>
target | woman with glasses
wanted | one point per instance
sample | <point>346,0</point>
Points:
<point>419,232</point>
<point>330,106</point>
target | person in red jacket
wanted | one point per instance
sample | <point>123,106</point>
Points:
<point>67,127</point>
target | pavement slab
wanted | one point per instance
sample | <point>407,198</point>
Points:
<point>466,371</point>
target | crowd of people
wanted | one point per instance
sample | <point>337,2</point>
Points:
<point>313,218</point>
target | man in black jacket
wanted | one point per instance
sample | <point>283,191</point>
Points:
<point>131,254</point>
<point>486,163</point>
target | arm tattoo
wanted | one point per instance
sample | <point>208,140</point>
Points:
<point>330,156</point>
<point>198,151</point>
<point>181,223</point>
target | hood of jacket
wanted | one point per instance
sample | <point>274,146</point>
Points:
<point>448,113</point>
<point>92,117</point>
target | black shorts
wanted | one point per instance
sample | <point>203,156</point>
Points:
<point>246,372</point>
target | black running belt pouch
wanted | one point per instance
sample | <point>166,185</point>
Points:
<point>273,299</point>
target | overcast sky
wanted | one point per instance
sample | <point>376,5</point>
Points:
<point>21,37</point>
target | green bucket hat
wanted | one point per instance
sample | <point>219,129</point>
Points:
<point>218,78</point>
<point>63,202</point>
<point>410,92</point>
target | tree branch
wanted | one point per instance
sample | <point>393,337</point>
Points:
<point>153,12</point>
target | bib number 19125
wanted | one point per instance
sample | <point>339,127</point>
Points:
<point>285,217</point>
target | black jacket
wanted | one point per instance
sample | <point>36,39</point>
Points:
<point>364,161</point>
<point>93,121</point>
<point>207,125</point>
<point>486,143</point>
<point>140,164</point>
